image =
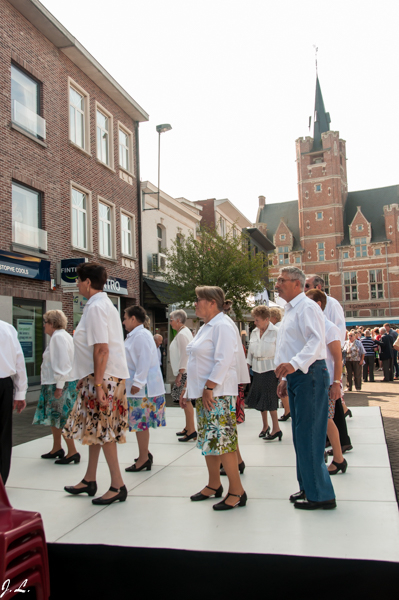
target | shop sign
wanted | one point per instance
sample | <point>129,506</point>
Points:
<point>68,270</point>
<point>21,265</point>
<point>115,285</point>
<point>26,336</point>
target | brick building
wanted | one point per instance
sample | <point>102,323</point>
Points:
<point>350,238</point>
<point>68,175</point>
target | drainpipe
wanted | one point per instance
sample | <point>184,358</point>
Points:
<point>139,231</point>
<point>389,293</point>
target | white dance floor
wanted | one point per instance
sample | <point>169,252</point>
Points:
<point>159,514</point>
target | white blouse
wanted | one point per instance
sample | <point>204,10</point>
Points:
<point>177,350</point>
<point>100,324</point>
<point>261,350</point>
<point>332,335</point>
<point>57,365</point>
<point>12,362</point>
<point>241,361</point>
<point>212,355</point>
<point>143,364</point>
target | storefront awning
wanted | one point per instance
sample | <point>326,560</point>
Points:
<point>156,293</point>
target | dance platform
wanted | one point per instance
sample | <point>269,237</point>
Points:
<point>158,521</point>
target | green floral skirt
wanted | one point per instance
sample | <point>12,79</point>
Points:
<point>52,411</point>
<point>217,428</point>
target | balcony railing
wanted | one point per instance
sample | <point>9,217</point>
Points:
<point>28,120</point>
<point>26,235</point>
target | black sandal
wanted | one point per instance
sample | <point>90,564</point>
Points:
<point>200,496</point>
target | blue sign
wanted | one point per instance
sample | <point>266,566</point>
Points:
<point>68,270</point>
<point>115,285</point>
<point>21,265</point>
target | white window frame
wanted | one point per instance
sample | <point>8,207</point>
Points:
<point>75,86</point>
<point>106,113</point>
<point>89,231</point>
<point>360,244</point>
<point>376,284</point>
<point>126,131</point>
<point>111,205</point>
<point>133,233</point>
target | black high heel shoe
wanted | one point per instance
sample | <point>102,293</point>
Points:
<point>278,435</point>
<point>150,457</point>
<point>121,496</point>
<point>182,432</point>
<point>58,454</point>
<point>263,433</point>
<point>285,417</point>
<point>339,467</point>
<point>200,496</point>
<point>241,468</point>
<point>348,413</point>
<point>90,489</point>
<point>65,461</point>
<point>134,469</point>
<point>187,438</point>
<point>223,506</point>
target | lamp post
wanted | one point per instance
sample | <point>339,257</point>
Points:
<point>160,129</point>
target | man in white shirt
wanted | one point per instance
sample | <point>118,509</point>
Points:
<point>13,386</point>
<point>301,367</point>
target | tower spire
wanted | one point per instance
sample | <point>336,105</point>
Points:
<point>321,121</point>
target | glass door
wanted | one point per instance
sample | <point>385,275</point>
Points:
<point>28,321</point>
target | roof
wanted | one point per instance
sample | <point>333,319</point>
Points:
<point>372,204</point>
<point>157,293</point>
<point>261,240</point>
<point>321,119</point>
<point>53,30</point>
<point>271,214</point>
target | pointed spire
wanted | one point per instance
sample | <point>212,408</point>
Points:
<point>321,121</point>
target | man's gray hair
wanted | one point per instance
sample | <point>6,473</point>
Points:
<point>383,330</point>
<point>318,281</point>
<point>179,314</point>
<point>295,274</point>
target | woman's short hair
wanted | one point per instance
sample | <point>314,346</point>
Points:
<point>211,292</point>
<point>318,296</point>
<point>179,314</point>
<point>261,311</point>
<point>93,271</point>
<point>136,311</point>
<point>275,313</point>
<point>147,322</point>
<point>56,318</point>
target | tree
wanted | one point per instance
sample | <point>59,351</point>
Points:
<point>214,260</point>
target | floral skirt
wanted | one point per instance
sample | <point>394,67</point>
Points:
<point>55,411</point>
<point>94,424</point>
<point>217,428</point>
<point>146,412</point>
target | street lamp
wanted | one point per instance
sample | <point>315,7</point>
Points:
<point>160,129</point>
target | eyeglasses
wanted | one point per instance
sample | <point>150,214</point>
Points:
<point>307,285</point>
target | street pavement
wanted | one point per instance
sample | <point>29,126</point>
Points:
<point>379,393</point>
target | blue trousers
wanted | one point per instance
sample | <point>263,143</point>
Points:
<point>308,395</point>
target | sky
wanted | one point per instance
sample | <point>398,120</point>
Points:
<point>236,81</point>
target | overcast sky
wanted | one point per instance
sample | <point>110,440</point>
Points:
<point>237,82</point>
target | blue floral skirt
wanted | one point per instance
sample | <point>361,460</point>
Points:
<point>146,412</point>
<point>52,411</point>
<point>217,428</point>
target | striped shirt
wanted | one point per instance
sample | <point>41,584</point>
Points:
<point>369,345</point>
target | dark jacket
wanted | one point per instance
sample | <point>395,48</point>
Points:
<point>386,347</point>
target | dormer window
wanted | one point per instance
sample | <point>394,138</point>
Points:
<point>283,256</point>
<point>361,247</point>
<point>282,237</point>
<point>359,227</point>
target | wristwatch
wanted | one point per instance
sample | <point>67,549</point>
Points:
<point>206,387</point>
<point>336,381</point>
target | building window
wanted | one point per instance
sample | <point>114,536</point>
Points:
<point>359,227</point>
<point>378,313</point>
<point>222,227</point>
<point>283,256</point>
<point>105,229</point>
<point>350,285</point>
<point>270,260</point>
<point>79,116</point>
<point>326,278</point>
<point>79,219</point>
<point>317,187</point>
<point>234,232</point>
<point>282,237</point>
<point>25,103</point>
<point>351,313</point>
<point>127,234</point>
<point>297,259</point>
<point>377,251</point>
<point>319,216</point>
<point>320,250</point>
<point>361,247</point>
<point>345,254</point>
<point>27,218</point>
<point>161,238</point>
<point>125,142</point>
<point>376,284</point>
<point>104,136</point>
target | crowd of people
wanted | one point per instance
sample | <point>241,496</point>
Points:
<point>97,385</point>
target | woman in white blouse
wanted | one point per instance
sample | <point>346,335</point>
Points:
<point>212,381</point>
<point>145,387</point>
<point>99,417</point>
<point>178,362</point>
<point>58,392</point>
<point>263,393</point>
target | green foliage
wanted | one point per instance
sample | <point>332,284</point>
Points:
<point>214,260</point>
